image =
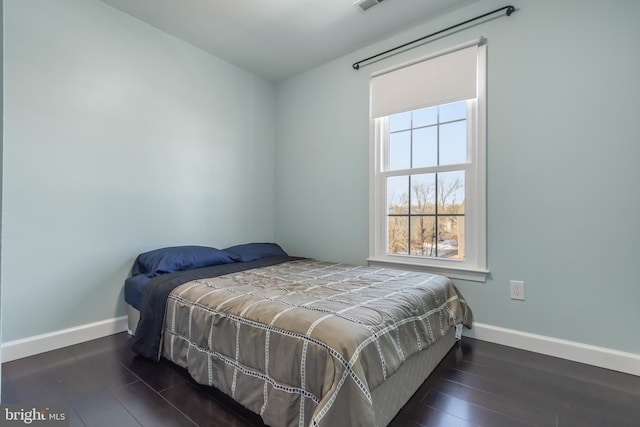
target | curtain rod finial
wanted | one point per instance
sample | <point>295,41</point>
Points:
<point>356,66</point>
<point>510,10</point>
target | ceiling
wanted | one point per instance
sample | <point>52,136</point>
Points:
<point>275,39</point>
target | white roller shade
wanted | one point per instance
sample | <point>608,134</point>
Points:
<point>441,78</point>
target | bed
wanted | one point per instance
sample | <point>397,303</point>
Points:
<point>298,341</point>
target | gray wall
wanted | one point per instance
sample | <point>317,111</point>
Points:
<point>118,139</point>
<point>563,146</point>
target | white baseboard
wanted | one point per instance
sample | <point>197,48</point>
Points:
<point>25,347</point>
<point>592,355</point>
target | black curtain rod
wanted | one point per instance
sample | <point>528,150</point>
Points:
<point>510,9</point>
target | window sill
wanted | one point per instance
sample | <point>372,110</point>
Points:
<point>450,272</point>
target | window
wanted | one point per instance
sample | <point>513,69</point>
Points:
<point>428,165</point>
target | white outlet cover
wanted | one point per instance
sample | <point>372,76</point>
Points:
<point>516,289</point>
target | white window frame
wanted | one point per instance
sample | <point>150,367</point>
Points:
<point>474,266</point>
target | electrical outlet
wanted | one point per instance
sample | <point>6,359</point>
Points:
<point>516,289</point>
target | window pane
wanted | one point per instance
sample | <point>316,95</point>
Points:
<point>400,121</point>
<point>451,193</point>
<point>398,229</point>
<point>423,194</point>
<point>453,143</point>
<point>448,237</point>
<point>422,235</point>
<point>425,117</point>
<point>425,147</point>
<point>400,150</point>
<point>454,111</point>
<point>398,195</point>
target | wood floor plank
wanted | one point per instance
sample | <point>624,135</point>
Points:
<point>566,368</point>
<point>581,387</point>
<point>101,409</point>
<point>505,405</point>
<point>201,408</point>
<point>25,367</point>
<point>572,391</point>
<point>546,398</point>
<point>117,345</point>
<point>29,380</point>
<point>76,378</point>
<point>149,408</point>
<point>74,419</point>
<point>470,412</point>
<point>31,390</point>
<point>414,414</point>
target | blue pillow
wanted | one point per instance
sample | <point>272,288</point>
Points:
<point>179,258</point>
<point>253,251</point>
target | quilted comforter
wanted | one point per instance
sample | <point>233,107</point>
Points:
<point>304,342</point>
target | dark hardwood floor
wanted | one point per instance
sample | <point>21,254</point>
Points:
<point>477,384</point>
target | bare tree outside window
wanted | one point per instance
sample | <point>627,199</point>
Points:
<point>428,228</point>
